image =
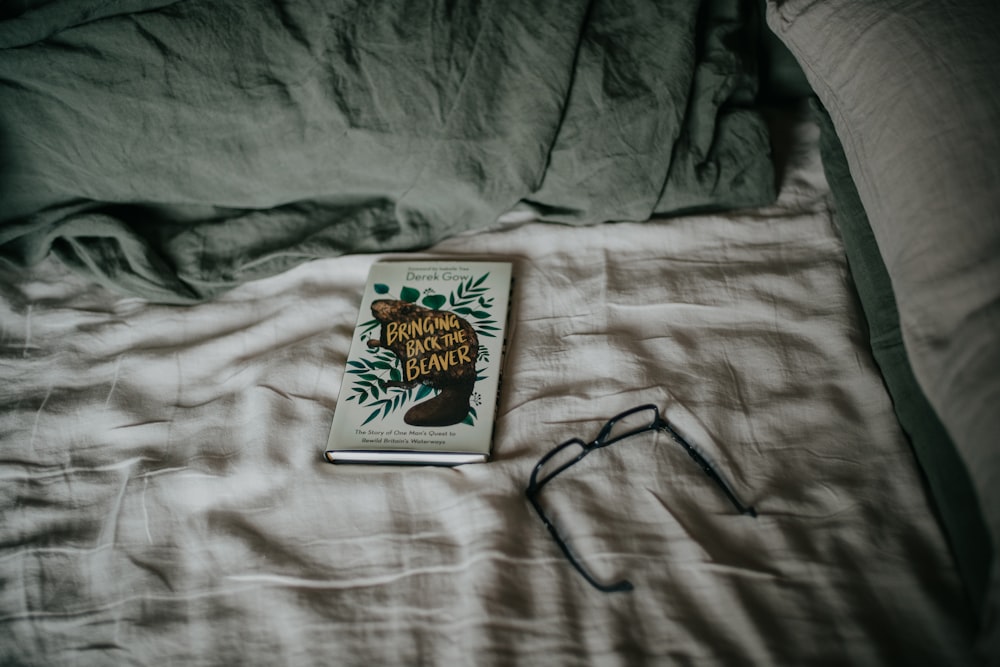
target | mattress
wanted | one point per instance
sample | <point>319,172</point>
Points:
<point>165,498</point>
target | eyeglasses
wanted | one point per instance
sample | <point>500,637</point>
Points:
<point>638,420</point>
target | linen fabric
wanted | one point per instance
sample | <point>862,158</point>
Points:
<point>164,497</point>
<point>176,149</point>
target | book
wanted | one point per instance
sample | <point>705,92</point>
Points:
<point>422,378</point>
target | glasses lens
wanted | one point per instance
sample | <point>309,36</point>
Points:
<point>629,423</point>
<point>568,506</point>
<point>558,460</point>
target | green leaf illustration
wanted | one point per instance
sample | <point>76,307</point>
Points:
<point>380,288</point>
<point>434,301</point>
<point>409,294</point>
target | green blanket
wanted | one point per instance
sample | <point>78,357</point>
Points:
<point>175,149</point>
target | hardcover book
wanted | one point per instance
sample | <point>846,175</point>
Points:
<point>423,373</point>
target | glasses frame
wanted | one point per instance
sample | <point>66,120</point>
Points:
<point>657,423</point>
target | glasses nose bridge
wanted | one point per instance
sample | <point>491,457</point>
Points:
<point>603,434</point>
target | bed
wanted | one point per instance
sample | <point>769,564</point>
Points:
<point>778,224</point>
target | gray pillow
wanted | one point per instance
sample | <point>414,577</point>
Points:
<point>911,87</point>
<point>947,477</point>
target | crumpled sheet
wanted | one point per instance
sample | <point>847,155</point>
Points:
<point>176,149</point>
<point>164,499</point>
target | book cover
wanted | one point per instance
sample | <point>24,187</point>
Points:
<point>423,373</point>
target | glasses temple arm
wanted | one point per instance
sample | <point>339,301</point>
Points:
<point>619,586</point>
<point>710,470</point>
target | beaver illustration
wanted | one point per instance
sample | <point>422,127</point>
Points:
<point>434,347</point>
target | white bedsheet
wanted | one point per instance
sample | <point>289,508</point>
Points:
<point>164,497</point>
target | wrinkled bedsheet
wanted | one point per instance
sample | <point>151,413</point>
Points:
<point>164,497</point>
<point>177,149</point>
